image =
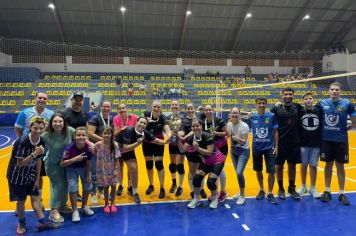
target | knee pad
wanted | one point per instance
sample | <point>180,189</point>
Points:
<point>212,184</point>
<point>159,165</point>
<point>172,168</point>
<point>180,169</point>
<point>197,180</point>
<point>149,165</point>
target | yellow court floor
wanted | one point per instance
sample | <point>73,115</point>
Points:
<point>232,187</point>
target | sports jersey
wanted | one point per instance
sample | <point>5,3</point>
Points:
<point>72,151</point>
<point>155,126</point>
<point>130,136</point>
<point>262,127</point>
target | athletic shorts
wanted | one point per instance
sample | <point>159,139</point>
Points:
<point>173,149</point>
<point>270,161</point>
<point>334,151</point>
<point>128,156</point>
<point>289,153</point>
<point>151,149</point>
<point>310,156</point>
<point>43,170</point>
<point>193,157</point>
<point>20,193</point>
<point>215,169</point>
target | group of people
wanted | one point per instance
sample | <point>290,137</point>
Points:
<point>66,145</point>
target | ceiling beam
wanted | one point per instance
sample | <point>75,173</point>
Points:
<point>186,16</point>
<point>289,34</point>
<point>240,26</point>
<point>339,15</point>
<point>58,22</point>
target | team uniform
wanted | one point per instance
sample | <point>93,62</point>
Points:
<point>186,126</point>
<point>310,135</point>
<point>130,136</point>
<point>262,127</point>
<point>155,126</point>
<point>218,125</point>
<point>100,123</point>
<point>334,145</point>
<point>288,119</point>
<point>21,180</point>
<point>210,164</point>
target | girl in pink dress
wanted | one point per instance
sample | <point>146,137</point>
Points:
<point>107,166</point>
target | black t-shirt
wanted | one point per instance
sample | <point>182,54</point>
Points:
<point>75,119</point>
<point>25,175</point>
<point>288,119</point>
<point>130,136</point>
<point>205,140</point>
<point>186,125</point>
<point>97,121</point>
<point>310,127</point>
<point>218,123</point>
<point>155,126</point>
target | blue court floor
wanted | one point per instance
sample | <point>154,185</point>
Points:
<point>289,217</point>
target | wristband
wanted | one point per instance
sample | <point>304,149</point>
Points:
<point>32,155</point>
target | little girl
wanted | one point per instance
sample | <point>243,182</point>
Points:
<point>107,166</point>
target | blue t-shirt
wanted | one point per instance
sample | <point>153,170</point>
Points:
<point>24,118</point>
<point>262,127</point>
<point>334,126</point>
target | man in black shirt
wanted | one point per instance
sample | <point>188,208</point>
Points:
<point>310,141</point>
<point>74,115</point>
<point>288,116</point>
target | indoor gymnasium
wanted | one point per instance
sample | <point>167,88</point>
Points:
<point>177,117</point>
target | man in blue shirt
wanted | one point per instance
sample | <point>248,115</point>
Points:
<point>334,147</point>
<point>265,143</point>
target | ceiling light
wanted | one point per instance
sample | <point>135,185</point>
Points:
<point>306,17</point>
<point>122,9</point>
<point>248,15</point>
<point>51,5</point>
<point>188,13</point>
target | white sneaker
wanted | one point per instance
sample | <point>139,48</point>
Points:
<point>302,190</point>
<point>75,216</point>
<point>214,204</point>
<point>193,203</point>
<point>236,196</point>
<point>314,193</point>
<point>240,200</point>
<point>93,199</point>
<point>87,211</point>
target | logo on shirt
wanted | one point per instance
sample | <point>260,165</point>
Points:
<point>340,109</point>
<point>262,132</point>
<point>267,120</point>
<point>310,122</point>
<point>331,120</point>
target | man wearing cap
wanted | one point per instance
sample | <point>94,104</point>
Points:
<point>23,120</point>
<point>74,115</point>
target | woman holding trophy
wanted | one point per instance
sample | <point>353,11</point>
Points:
<point>177,157</point>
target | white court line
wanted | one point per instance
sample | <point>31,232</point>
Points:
<point>8,140</point>
<point>350,167</point>
<point>5,155</point>
<point>353,148</point>
<point>334,173</point>
<point>227,206</point>
<point>245,227</point>
<point>236,216</point>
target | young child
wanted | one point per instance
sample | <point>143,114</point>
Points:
<point>76,158</point>
<point>23,175</point>
<point>107,166</point>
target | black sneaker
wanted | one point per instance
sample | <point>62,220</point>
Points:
<point>261,195</point>
<point>294,194</point>
<point>79,198</point>
<point>129,191</point>
<point>137,198</point>
<point>162,193</point>
<point>203,194</point>
<point>326,196</point>
<point>173,188</point>
<point>282,194</point>
<point>179,191</point>
<point>344,200</point>
<point>192,195</point>
<point>150,189</point>
<point>119,190</point>
<point>271,199</point>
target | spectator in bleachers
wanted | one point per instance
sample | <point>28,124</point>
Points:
<point>22,123</point>
<point>248,72</point>
<point>92,107</point>
<point>129,91</point>
<point>142,87</point>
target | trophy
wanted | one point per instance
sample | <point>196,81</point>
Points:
<point>175,123</point>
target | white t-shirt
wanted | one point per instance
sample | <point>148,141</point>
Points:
<point>240,129</point>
